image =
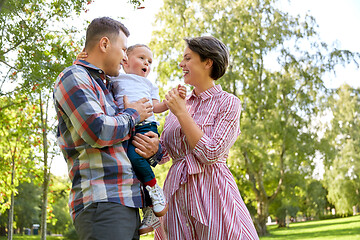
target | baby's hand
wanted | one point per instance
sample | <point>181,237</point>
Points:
<point>182,91</point>
<point>81,56</point>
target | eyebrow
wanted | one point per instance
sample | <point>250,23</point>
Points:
<point>187,54</point>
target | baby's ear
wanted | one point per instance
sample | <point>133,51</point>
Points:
<point>125,62</point>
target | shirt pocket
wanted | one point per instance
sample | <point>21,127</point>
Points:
<point>206,120</point>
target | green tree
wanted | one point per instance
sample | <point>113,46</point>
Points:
<point>16,153</point>
<point>60,220</point>
<point>342,155</point>
<point>27,205</point>
<point>36,44</point>
<point>314,201</point>
<point>288,203</point>
<point>279,102</point>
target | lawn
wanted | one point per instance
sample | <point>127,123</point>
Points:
<point>339,229</point>
<point>333,229</point>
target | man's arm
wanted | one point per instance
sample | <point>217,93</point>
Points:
<point>76,96</point>
<point>148,146</point>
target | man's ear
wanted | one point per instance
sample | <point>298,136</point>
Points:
<point>104,43</point>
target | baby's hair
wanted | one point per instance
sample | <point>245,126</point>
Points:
<point>131,48</point>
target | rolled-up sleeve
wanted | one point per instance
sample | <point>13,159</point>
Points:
<point>77,97</point>
<point>226,129</point>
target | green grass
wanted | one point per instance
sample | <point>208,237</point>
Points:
<point>332,229</point>
<point>147,237</point>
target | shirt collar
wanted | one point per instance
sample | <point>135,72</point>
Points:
<point>208,93</point>
<point>95,69</point>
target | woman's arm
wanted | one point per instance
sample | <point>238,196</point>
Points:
<point>209,148</point>
<point>226,129</point>
<point>188,126</point>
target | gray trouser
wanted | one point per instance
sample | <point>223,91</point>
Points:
<point>108,221</point>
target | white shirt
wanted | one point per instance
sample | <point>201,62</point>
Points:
<point>134,87</point>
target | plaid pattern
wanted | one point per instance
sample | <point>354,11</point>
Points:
<point>92,134</point>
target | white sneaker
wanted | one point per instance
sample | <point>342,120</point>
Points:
<point>150,222</point>
<point>160,205</point>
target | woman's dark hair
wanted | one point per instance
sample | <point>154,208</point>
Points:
<point>103,27</point>
<point>209,47</point>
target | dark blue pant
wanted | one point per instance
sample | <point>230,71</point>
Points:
<point>141,167</point>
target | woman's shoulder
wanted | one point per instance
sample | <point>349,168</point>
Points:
<point>227,97</point>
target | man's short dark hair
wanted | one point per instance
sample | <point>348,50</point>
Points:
<point>209,47</point>
<point>103,27</point>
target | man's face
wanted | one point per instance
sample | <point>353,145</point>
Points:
<point>116,53</point>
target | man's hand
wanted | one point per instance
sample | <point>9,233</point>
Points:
<point>146,144</point>
<point>142,106</point>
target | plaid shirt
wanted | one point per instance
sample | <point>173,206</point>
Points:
<point>91,134</point>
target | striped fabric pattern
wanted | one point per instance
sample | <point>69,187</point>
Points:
<point>92,134</point>
<point>204,201</point>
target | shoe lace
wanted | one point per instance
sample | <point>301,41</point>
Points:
<point>149,217</point>
<point>156,195</point>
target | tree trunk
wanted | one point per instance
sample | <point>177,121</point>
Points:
<point>44,205</point>
<point>262,214</point>
<point>46,173</point>
<point>281,222</point>
<point>11,210</point>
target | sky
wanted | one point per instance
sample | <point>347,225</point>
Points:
<point>338,22</point>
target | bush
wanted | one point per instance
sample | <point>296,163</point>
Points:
<point>71,234</point>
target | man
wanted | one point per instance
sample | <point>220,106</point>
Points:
<point>92,133</point>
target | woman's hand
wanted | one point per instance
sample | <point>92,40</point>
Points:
<point>81,56</point>
<point>175,102</point>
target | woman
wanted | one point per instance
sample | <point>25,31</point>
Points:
<point>204,201</point>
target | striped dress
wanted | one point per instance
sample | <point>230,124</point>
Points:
<point>204,201</point>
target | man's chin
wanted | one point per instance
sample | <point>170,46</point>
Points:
<point>113,74</point>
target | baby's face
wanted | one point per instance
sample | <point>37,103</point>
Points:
<point>139,62</point>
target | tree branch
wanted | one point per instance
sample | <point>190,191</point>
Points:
<point>278,188</point>
<point>250,173</point>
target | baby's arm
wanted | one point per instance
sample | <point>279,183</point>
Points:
<point>159,107</point>
<point>182,91</point>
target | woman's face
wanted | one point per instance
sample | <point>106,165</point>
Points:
<point>194,70</point>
